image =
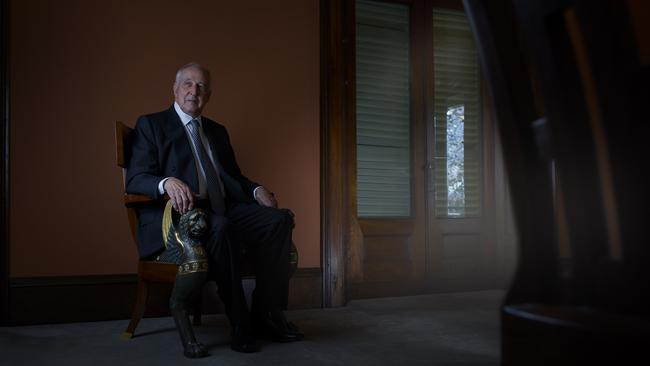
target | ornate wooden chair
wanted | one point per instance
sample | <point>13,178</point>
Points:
<point>148,271</point>
<point>157,272</point>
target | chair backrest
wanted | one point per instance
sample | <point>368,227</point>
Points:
<point>122,141</point>
<point>123,135</point>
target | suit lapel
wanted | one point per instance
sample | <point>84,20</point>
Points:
<point>182,149</point>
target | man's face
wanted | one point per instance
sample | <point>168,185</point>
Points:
<point>192,91</point>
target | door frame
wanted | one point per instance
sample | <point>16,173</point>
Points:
<point>335,70</point>
<point>4,163</point>
<point>338,135</point>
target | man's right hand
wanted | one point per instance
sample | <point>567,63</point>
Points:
<point>180,194</point>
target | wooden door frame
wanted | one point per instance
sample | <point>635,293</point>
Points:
<point>334,70</point>
<point>338,134</point>
<point>4,163</point>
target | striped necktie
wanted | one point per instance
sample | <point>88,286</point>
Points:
<point>213,183</point>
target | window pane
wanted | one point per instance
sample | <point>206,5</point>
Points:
<point>457,156</point>
<point>383,110</point>
<point>455,161</point>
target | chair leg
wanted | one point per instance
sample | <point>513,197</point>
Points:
<point>138,310</point>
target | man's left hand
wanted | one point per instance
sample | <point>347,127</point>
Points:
<point>265,198</point>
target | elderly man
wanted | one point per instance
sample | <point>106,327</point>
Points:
<point>189,157</point>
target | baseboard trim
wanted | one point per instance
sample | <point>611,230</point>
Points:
<point>413,287</point>
<point>367,290</point>
<point>46,300</point>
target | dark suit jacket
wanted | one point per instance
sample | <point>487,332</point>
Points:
<point>160,148</point>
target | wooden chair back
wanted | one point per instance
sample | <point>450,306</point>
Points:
<point>123,135</point>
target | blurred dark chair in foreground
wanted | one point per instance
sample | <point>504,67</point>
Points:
<point>570,81</point>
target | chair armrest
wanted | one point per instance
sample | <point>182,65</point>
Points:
<point>134,200</point>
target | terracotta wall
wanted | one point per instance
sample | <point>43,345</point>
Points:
<point>77,66</point>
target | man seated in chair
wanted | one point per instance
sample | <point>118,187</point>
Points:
<point>189,157</point>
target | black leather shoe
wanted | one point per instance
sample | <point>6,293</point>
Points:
<point>279,318</point>
<point>243,340</point>
<point>293,328</point>
<point>195,350</point>
<point>276,328</point>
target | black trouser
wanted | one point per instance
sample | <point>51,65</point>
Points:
<point>265,234</point>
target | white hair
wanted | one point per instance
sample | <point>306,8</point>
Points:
<point>191,65</point>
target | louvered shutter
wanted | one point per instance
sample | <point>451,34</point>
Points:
<point>457,122</point>
<point>383,110</point>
